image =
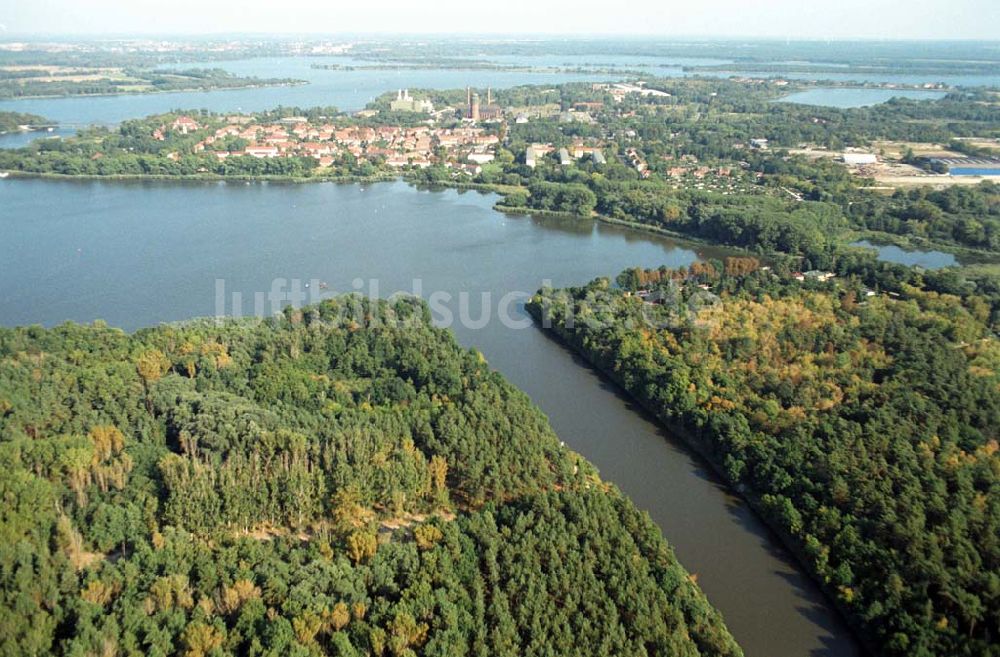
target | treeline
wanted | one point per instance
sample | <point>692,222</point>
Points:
<point>861,425</point>
<point>132,81</point>
<point>969,216</point>
<point>341,480</point>
<point>797,207</point>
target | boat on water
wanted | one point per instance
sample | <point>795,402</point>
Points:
<point>4,174</point>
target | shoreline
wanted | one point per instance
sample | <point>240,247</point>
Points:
<point>634,225</point>
<point>977,256</point>
<point>687,438</point>
<point>295,83</point>
<point>193,178</point>
<point>910,243</point>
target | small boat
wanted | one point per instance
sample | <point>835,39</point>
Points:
<point>4,174</point>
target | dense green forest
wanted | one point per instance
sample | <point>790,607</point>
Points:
<point>862,425</point>
<point>340,480</point>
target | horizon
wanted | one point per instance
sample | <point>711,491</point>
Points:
<point>495,36</point>
<point>848,20</point>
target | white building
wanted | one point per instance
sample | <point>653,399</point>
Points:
<point>261,151</point>
<point>534,152</point>
<point>480,158</point>
<point>406,103</point>
<point>857,159</point>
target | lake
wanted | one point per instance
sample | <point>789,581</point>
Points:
<point>900,256</point>
<point>140,253</point>
<point>346,90</point>
<point>845,98</point>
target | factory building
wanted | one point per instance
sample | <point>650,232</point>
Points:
<point>475,111</point>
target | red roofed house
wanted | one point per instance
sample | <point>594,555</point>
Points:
<point>184,124</point>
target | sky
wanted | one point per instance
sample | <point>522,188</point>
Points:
<point>785,19</point>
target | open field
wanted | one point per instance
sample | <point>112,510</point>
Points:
<point>40,73</point>
<point>897,174</point>
<point>894,150</point>
<point>933,181</point>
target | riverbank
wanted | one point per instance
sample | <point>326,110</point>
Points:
<point>794,547</point>
<point>206,177</point>
<point>485,66</point>
<point>633,225</point>
<point>202,177</point>
<point>21,130</point>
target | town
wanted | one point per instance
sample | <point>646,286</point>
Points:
<point>395,146</point>
<point>460,139</point>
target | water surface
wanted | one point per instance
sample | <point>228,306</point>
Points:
<point>911,257</point>
<point>974,171</point>
<point>845,98</point>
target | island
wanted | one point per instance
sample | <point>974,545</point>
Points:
<point>34,81</point>
<point>22,122</point>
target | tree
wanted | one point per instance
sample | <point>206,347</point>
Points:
<point>201,639</point>
<point>361,545</point>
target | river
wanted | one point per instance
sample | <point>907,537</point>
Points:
<point>136,254</point>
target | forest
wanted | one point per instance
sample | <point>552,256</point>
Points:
<point>342,479</point>
<point>861,424</point>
